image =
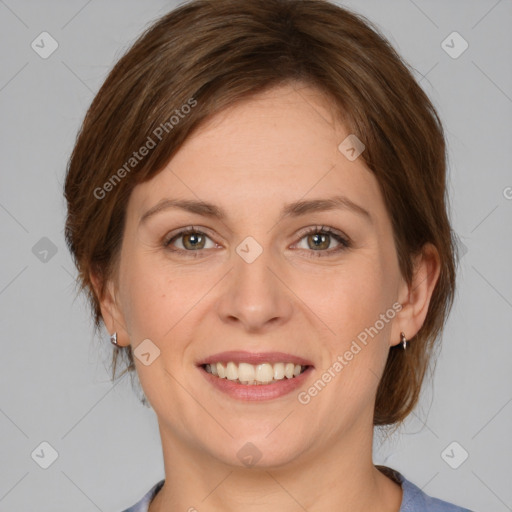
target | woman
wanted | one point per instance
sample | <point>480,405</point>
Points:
<point>257,210</point>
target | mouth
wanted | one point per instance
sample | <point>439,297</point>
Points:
<point>255,376</point>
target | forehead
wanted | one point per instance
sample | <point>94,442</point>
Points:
<point>276,147</point>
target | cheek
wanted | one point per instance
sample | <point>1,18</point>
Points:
<point>357,308</point>
<point>147,298</point>
<point>157,297</point>
<point>350,298</point>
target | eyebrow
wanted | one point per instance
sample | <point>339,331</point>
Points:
<point>295,209</point>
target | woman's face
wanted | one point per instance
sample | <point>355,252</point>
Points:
<point>265,280</point>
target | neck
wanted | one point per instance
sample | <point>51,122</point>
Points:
<point>341,478</point>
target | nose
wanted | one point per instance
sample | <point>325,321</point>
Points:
<point>254,296</point>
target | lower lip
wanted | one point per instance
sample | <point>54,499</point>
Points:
<point>257,391</point>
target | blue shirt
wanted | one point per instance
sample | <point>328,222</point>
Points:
<point>413,499</point>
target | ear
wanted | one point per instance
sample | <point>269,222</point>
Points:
<point>415,298</point>
<point>111,311</point>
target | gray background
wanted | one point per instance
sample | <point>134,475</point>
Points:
<point>54,386</point>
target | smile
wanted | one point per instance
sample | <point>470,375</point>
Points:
<point>250,374</point>
<point>255,376</point>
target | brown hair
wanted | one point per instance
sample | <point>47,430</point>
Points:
<point>209,54</point>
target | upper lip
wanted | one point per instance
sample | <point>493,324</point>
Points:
<point>241,356</point>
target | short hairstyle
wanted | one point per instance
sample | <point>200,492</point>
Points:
<point>207,55</point>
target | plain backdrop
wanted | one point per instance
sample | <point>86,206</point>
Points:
<point>54,387</point>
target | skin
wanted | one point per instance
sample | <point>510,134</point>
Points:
<point>278,147</point>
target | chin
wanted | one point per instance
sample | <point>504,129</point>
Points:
<point>258,452</point>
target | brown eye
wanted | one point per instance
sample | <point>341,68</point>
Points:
<point>189,240</point>
<point>318,241</point>
<point>193,241</point>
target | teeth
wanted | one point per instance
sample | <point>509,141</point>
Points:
<point>246,373</point>
<point>231,371</point>
<point>264,373</point>
<point>288,370</point>
<point>250,374</point>
<point>279,371</point>
<point>221,371</point>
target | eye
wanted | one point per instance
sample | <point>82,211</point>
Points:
<point>191,240</point>
<point>318,240</point>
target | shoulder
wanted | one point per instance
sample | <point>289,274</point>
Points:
<point>143,504</point>
<point>415,500</point>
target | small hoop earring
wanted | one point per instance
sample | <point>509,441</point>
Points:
<point>113,339</point>
<point>403,340</point>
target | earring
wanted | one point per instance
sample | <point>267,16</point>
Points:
<point>113,339</point>
<point>403,340</point>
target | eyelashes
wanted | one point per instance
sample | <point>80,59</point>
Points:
<point>184,232</point>
<point>319,235</point>
<point>325,233</point>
